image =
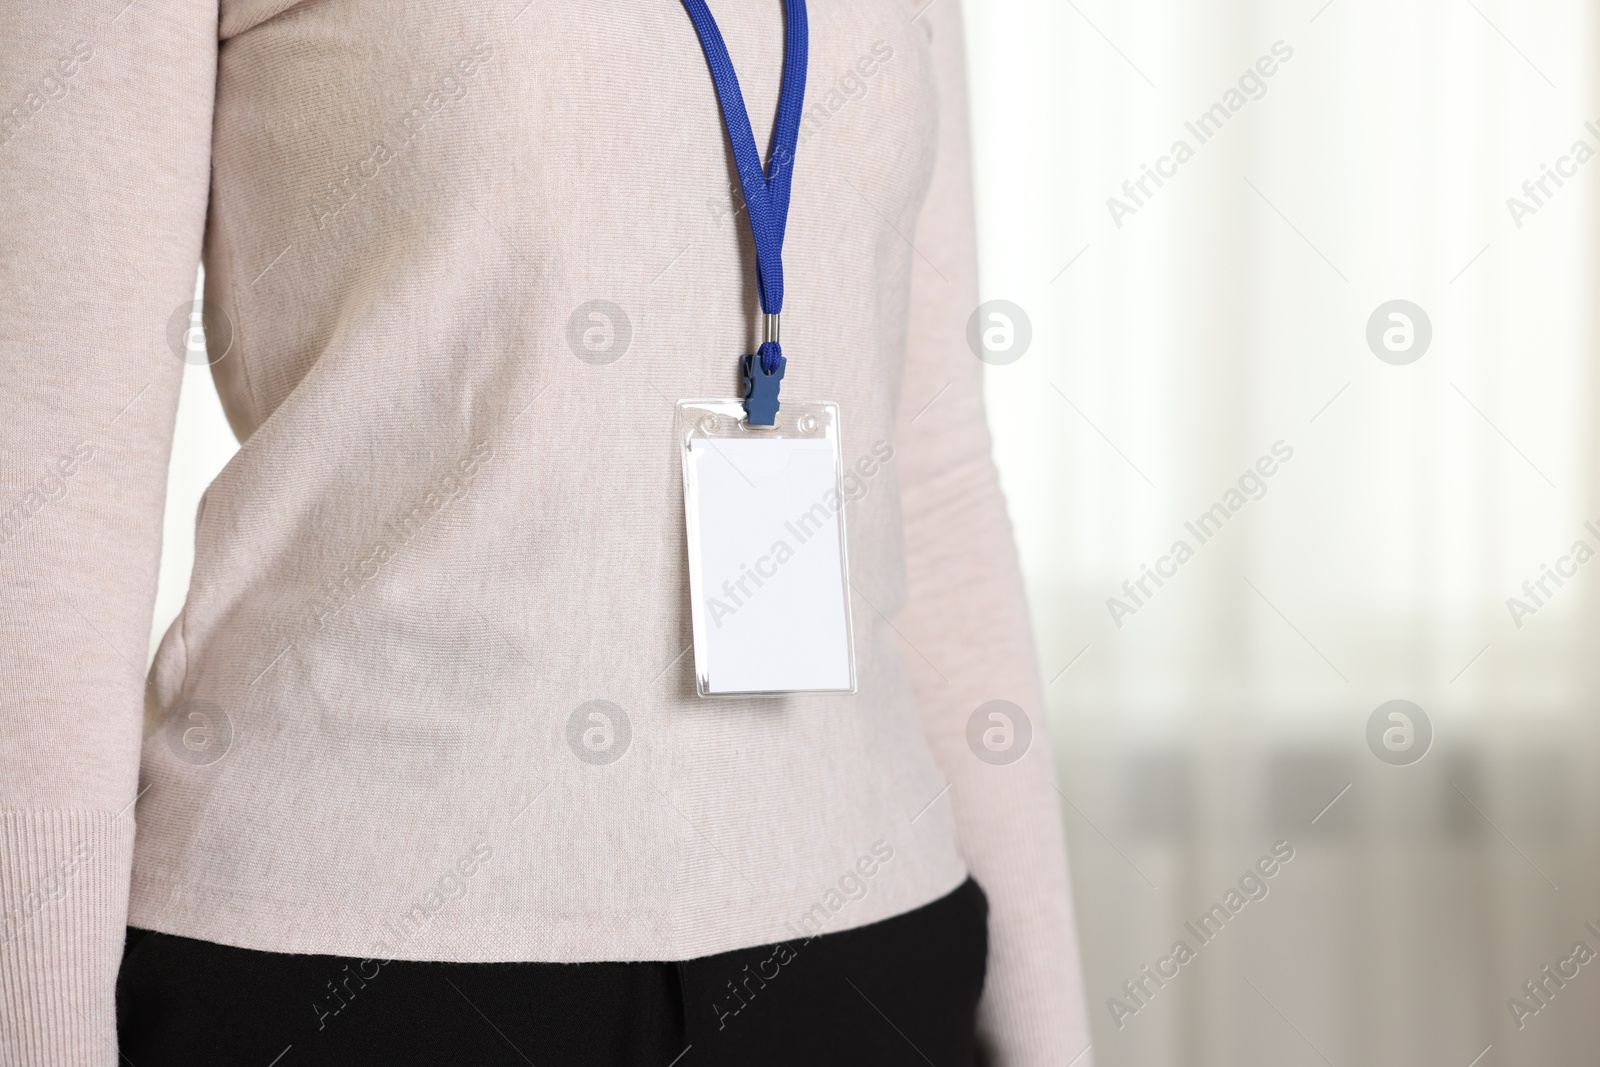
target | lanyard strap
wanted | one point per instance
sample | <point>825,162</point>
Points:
<point>766,190</point>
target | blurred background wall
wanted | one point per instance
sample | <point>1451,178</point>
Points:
<point>1173,345</point>
<point>1220,317</point>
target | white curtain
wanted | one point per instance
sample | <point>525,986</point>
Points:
<point>1176,340</point>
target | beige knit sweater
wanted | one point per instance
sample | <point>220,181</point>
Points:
<point>457,513</point>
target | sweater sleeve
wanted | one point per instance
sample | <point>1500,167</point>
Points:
<point>966,614</point>
<point>105,135</point>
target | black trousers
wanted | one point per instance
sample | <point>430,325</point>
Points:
<point>901,991</point>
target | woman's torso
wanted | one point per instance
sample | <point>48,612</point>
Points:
<point>472,254</point>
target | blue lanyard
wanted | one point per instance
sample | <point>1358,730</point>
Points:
<point>766,190</point>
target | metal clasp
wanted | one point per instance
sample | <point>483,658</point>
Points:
<point>770,328</point>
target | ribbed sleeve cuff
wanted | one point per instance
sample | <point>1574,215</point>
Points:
<point>63,918</point>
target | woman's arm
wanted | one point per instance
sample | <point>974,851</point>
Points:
<point>105,134</point>
<point>966,614</point>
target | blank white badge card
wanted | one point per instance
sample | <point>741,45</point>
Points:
<point>767,568</point>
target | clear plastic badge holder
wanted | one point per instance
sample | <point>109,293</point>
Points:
<point>769,578</point>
